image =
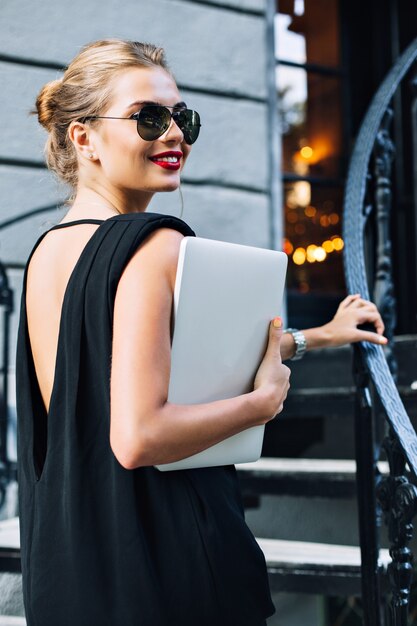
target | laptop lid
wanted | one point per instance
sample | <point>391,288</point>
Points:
<point>225,296</point>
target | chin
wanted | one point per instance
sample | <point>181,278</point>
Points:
<point>168,185</point>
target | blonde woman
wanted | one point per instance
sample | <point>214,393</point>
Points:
<point>107,539</point>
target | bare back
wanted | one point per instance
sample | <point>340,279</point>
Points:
<point>48,274</point>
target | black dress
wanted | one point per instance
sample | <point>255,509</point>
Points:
<point>102,545</point>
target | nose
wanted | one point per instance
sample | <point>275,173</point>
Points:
<point>173,133</point>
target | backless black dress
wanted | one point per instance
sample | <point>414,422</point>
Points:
<point>102,545</point>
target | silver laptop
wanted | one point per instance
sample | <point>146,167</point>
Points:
<point>225,296</point>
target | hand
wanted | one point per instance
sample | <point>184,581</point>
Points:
<point>272,377</point>
<point>352,312</point>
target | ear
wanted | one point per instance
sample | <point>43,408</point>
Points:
<point>79,135</point>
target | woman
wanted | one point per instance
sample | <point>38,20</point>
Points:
<point>107,539</point>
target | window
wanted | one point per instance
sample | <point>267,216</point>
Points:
<point>310,84</point>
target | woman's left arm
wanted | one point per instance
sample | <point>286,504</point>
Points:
<point>342,329</point>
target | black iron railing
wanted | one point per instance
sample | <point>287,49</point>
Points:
<point>368,271</point>
<point>7,468</point>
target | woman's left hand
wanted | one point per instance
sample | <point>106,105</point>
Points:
<point>352,312</point>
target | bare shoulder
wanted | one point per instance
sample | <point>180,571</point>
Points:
<point>157,255</point>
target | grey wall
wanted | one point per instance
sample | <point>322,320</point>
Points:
<point>217,51</point>
<point>218,56</point>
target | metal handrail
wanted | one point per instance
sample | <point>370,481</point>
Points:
<point>354,257</point>
<point>393,496</point>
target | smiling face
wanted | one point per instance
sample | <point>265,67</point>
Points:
<point>124,163</point>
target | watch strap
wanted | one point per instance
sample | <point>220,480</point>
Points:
<point>300,343</point>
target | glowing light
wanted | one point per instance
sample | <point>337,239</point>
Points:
<point>291,200</point>
<point>292,217</point>
<point>299,256</point>
<point>311,249</point>
<point>334,218</point>
<point>306,152</point>
<point>300,194</point>
<point>338,243</point>
<point>288,247</point>
<point>324,221</point>
<point>320,254</point>
<point>327,246</point>
<point>310,211</point>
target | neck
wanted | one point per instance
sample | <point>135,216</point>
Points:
<point>103,203</point>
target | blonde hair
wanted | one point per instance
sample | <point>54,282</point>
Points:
<point>85,89</point>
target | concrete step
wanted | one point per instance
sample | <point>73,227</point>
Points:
<point>10,545</point>
<point>337,402</point>
<point>332,478</point>
<point>10,620</point>
<point>332,367</point>
<point>318,568</point>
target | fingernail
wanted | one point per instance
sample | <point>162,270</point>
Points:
<point>383,340</point>
<point>277,322</point>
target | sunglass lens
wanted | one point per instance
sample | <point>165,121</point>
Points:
<point>189,123</point>
<point>153,121</point>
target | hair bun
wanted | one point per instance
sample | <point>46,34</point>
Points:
<point>46,103</point>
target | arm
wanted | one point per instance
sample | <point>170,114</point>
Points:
<point>145,429</point>
<point>342,329</point>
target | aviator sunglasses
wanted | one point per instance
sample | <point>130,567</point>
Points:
<point>153,120</point>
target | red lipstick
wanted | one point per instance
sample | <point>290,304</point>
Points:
<point>170,160</point>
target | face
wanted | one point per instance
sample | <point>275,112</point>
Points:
<point>127,162</point>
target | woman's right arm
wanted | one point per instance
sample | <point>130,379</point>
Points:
<point>146,429</point>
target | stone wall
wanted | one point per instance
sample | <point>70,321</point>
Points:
<point>218,57</point>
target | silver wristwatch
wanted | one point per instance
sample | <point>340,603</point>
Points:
<point>300,342</point>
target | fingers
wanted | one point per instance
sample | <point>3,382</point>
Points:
<point>277,323</point>
<point>274,341</point>
<point>364,335</point>
<point>348,300</point>
<point>379,325</point>
<point>366,310</point>
<point>275,329</point>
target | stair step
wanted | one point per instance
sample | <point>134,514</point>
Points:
<point>336,402</point>
<point>319,568</point>
<point>305,477</point>
<point>10,545</point>
<point>10,620</point>
<point>279,553</point>
<point>9,534</point>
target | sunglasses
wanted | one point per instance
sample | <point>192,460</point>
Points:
<point>153,120</point>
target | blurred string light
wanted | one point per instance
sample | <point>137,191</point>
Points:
<point>299,256</point>
<point>309,211</point>
<point>306,152</point>
<point>299,195</point>
<point>288,247</point>
<point>313,253</point>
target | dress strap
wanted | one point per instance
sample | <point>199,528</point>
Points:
<point>83,221</point>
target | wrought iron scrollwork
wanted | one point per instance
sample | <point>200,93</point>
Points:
<point>6,302</point>
<point>366,470</point>
<point>398,499</point>
<point>384,152</point>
